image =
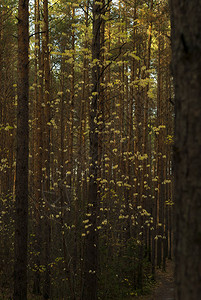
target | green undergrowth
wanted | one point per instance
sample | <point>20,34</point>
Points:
<point>124,273</point>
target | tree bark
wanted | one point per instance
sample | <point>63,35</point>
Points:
<point>186,65</point>
<point>21,221</point>
<point>46,139</point>
<point>91,251</point>
<point>38,146</point>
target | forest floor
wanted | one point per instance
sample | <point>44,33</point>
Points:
<point>164,289</point>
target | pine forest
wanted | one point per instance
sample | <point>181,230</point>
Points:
<point>86,138</point>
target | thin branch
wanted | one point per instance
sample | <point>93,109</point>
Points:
<point>36,33</point>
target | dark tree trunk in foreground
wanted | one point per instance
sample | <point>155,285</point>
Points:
<point>21,221</point>
<point>186,46</point>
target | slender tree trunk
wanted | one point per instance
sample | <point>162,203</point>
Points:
<point>21,221</point>
<point>186,64</point>
<point>91,251</point>
<point>47,228</point>
<point>38,143</point>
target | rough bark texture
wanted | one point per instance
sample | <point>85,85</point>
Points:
<point>186,63</point>
<point>21,222</point>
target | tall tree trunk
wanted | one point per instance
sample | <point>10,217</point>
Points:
<point>38,143</point>
<point>186,64</point>
<point>21,221</point>
<point>91,251</point>
<point>47,229</point>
